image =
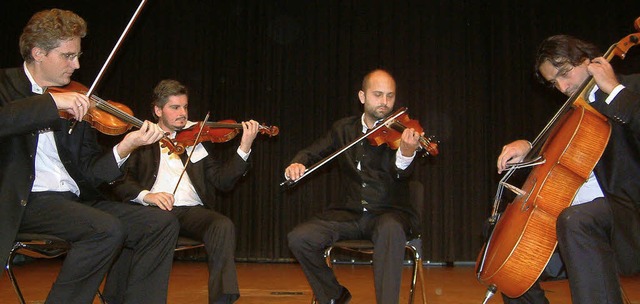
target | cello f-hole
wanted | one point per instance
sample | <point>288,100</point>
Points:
<point>525,206</point>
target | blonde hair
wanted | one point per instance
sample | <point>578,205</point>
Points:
<point>46,29</point>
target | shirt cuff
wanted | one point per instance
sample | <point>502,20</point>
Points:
<point>140,198</point>
<point>119,160</point>
<point>244,156</point>
<point>614,93</point>
<point>402,162</point>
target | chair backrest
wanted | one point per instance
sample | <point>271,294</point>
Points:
<point>416,199</point>
<point>416,196</point>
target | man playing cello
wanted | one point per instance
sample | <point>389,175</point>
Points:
<point>599,234</point>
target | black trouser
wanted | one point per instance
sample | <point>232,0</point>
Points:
<point>308,241</point>
<point>217,232</point>
<point>97,232</point>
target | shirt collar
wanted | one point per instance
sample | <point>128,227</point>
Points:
<point>364,125</point>
<point>35,88</point>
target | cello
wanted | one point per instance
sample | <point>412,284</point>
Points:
<point>523,236</point>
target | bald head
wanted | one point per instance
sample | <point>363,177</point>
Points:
<point>377,76</point>
<point>378,95</point>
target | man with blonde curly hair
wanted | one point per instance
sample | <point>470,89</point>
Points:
<point>50,175</point>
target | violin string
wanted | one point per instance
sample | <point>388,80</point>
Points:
<point>261,128</point>
<point>103,105</point>
<point>224,125</point>
<point>400,127</point>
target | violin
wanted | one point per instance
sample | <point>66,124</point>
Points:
<point>392,128</point>
<point>217,132</point>
<point>108,117</point>
<point>391,134</point>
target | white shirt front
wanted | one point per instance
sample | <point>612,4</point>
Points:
<point>591,190</point>
<point>51,175</point>
<point>169,171</point>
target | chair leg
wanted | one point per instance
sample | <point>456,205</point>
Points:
<point>12,277</point>
<point>100,297</point>
<point>625,299</point>
<point>414,277</point>
<point>14,282</point>
<point>417,270</point>
<point>424,296</point>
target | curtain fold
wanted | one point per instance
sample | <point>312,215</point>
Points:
<point>463,69</point>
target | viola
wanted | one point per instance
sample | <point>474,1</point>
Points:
<point>391,134</point>
<point>108,117</point>
<point>217,132</point>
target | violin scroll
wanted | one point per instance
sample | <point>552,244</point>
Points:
<point>429,145</point>
<point>268,130</point>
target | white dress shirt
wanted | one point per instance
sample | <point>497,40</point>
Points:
<point>169,172</point>
<point>591,189</point>
<point>51,174</point>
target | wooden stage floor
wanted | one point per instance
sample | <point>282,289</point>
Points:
<point>285,283</point>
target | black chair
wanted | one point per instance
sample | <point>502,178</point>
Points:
<point>36,246</point>
<point>185,243</point>
<point>413,246</point>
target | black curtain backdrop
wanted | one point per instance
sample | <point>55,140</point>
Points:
<point>463,68</point>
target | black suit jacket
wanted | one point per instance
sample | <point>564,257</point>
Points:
<point>618,170</point>
<point>208,174</point>
<point>379,187</point>
<point>22,115</point>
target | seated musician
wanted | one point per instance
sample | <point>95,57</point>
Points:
<point>50,175</point>
<point>599,234</point>
<point>153,178</point>
<point>375,179</point>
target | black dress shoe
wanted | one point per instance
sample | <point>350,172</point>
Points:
<point>344,298</point>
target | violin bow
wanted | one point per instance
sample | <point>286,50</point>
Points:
<point>392,117</point>
<point>110,58</point>
<point>206,118</point>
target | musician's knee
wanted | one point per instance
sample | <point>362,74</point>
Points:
<point>572,221</point>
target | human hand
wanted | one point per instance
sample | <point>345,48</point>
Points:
<point>73,103</point>
<point>513,153</point>
<point>603,74</point>
<point>162,200</point>
<point>294,171</point>
<point>249,132</point>
<point>409,142</point>
<point>147,134</point>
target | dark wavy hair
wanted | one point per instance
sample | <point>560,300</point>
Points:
<point>560,50</point>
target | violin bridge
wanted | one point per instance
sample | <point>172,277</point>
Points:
<point>514,189</point>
